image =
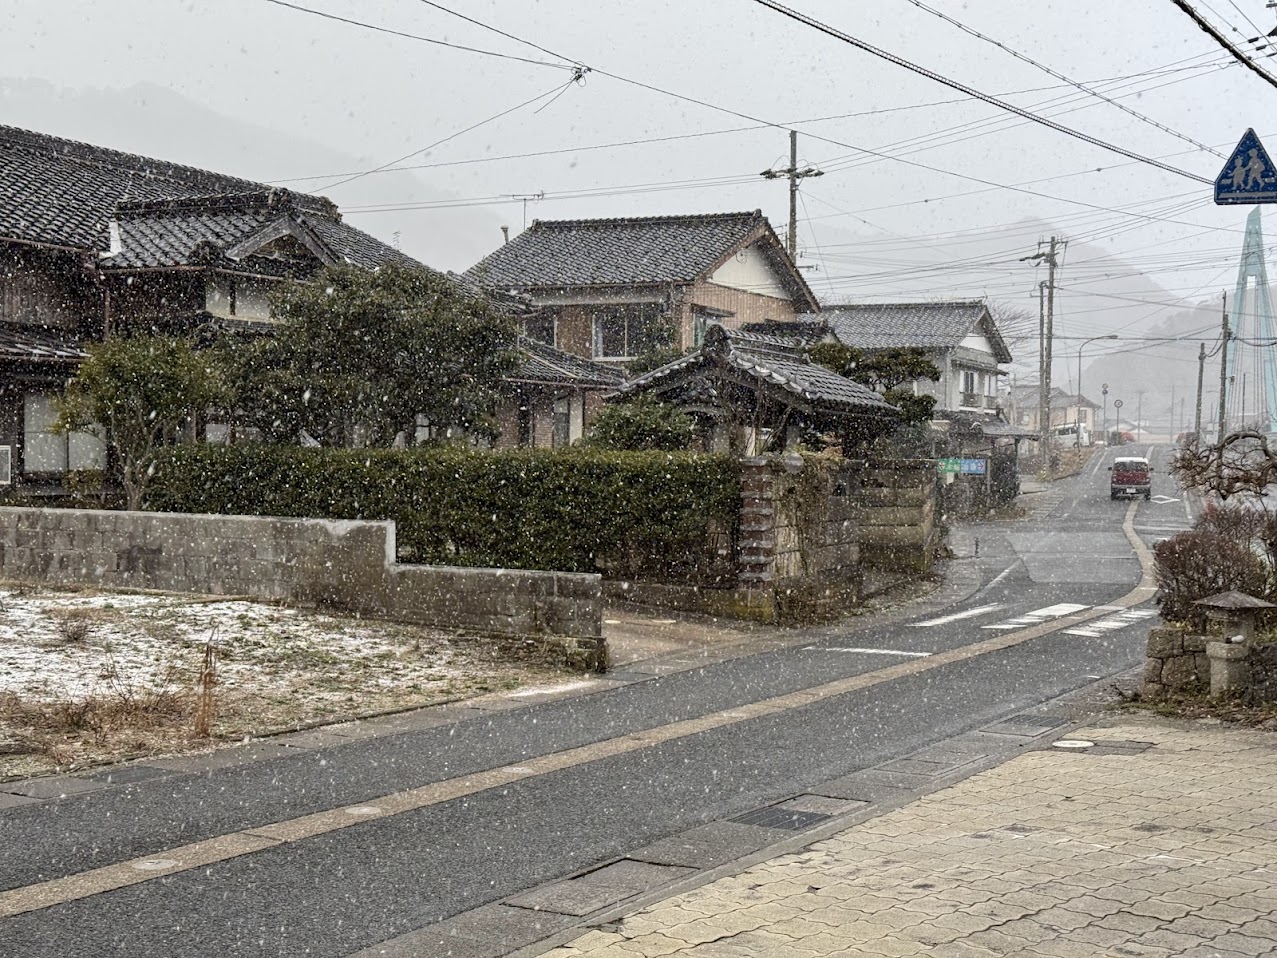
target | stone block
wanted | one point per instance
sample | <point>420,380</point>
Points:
<point>1179,672</point>
<point>1152,670</point>
<point>1195,643</point>
<point>1164,642</point>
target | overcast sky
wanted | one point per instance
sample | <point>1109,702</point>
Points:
<point>365,98</point>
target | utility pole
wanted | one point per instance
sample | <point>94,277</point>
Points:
<point>1201,375</point>
<point>1048,335</point>
<point>793,174</point>
<point>1139,414</point>
<point>1223,372</point>
<point>1172,437</point>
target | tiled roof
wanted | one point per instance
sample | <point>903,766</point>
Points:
<point>540,363</point>
<point>938,325</point>
<point>774,360</point>
<point>59,192</point>
<point>636,251</point>
<point>38,344</point>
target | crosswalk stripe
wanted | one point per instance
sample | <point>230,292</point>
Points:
<point>1038,616</point>
<point>1093,630</point>
<point>956,616</point>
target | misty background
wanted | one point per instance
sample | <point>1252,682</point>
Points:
<point>925,193</point>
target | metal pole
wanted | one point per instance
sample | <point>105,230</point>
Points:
<point>1050,339</point>
<point>1043,408</point>
<point>1201,373</point>
<point>1078,425</point>
<point>1223,374</point>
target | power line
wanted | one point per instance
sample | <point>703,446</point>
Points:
<point>1224,42</point>
<point>971,91</point>
<point>1060,76</point>
<point>414,36</point>
<point>508,36</point>
<point>556,91</point>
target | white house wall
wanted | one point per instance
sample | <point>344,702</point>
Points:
<point>749,270</point>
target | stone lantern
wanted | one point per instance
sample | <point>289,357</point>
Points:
<point>1237,612</point>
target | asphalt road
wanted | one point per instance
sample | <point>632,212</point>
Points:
<point>335,893</point>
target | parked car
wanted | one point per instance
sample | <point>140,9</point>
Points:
<point>1131,478</point>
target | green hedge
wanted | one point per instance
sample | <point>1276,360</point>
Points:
<point>578,510</point>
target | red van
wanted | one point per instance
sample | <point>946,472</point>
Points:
<point>1132,477</point>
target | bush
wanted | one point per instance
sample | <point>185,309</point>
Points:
<point>575,510</point>
<point>642,424</point>
<point>1197,564</point>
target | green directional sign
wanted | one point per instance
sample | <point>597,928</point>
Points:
<point>950,465</point>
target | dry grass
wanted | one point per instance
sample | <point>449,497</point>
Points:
<point>91,678</point>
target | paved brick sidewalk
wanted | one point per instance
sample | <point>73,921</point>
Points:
<point>1123,850</point>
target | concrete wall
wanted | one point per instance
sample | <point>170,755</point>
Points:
<point>896,516</point>
<point>348,566</point>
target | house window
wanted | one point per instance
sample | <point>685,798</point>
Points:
<point>630,330</point>
<point>703,319</point>
<point>45,450</point>
<point>228,298</point>
<point>562,434</point>
<point>540,328</point>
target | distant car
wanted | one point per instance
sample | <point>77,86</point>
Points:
<point>1131,478</point>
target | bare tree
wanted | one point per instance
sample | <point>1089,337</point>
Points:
<point>1242,464</point>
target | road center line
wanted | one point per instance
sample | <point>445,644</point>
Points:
<point>222,848</point>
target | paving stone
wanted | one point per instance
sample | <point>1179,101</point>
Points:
<point>60,786</point>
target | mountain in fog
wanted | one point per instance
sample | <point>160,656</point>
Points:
<point>153,121</point>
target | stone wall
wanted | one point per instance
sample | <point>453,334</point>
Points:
<point>1176,662</point>
<point>895,515</point>
<point>342,565</point>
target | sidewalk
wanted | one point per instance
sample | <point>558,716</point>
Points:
<point>1160,840</point>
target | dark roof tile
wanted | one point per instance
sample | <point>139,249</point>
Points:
<point>933,325</point>
<point>63,193</point>
<point>650,250</point>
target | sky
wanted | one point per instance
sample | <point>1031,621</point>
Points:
<point>925,192</point>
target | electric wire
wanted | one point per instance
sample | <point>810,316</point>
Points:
<point>859,44</point>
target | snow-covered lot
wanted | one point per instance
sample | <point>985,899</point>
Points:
<point>89,676</point>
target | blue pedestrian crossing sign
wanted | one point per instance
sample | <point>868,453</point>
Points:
<point>1249,176</point>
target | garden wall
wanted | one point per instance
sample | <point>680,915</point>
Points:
<point>809,528</point>
<point>342,565</point>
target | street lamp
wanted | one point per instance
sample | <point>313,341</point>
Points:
<point>1079,381</point>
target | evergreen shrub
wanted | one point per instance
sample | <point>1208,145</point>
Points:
<point>652,514</point>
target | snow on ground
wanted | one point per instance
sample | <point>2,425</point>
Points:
<point>75,665</point>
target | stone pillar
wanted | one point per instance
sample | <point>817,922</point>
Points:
<point>1229,671</point>
<point>757,562</point>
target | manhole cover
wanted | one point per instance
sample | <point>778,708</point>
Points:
<point>1072,743</point>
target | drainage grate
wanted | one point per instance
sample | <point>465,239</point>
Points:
<point>787,818</point>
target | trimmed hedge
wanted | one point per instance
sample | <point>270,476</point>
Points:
<point>575,510</point>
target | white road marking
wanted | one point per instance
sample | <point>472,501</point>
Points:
<point>1039,616</point>
<point>911,655</point>
<point>1003,574</point>
<point>1111,623</point>
<point>956,616</point>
